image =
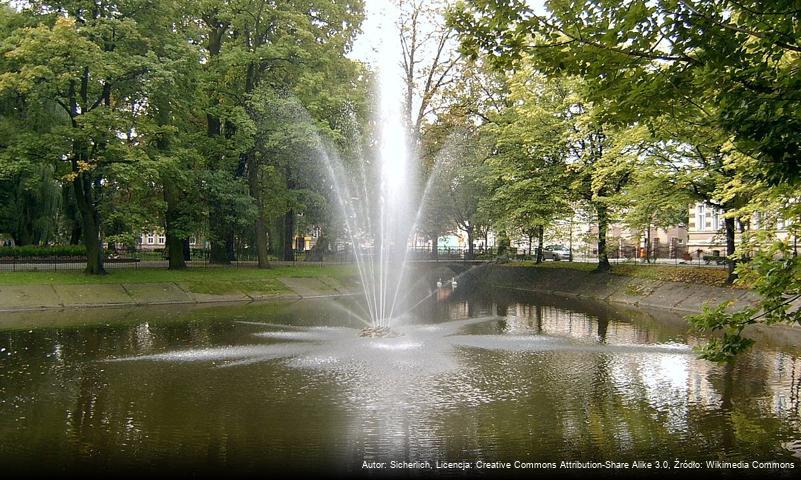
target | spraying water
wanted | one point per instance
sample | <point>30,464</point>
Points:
<point>379,201</point>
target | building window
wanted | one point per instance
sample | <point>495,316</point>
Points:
<point>715,219</point>
<point>700,217</point>
<point>161,240</point>
<point>150,239</point>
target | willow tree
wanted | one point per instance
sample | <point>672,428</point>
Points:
<point>92,61</point>
<point>30,193</point>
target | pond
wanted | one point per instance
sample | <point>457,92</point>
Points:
<point>472,377</point>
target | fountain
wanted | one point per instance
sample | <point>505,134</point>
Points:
<point>377,202</point>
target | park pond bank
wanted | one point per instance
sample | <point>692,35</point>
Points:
<point>41,291</point>
<point>629,297</point>
<point>662,299</point>
<point>154,287</point>
<point>666,300</point>
<point>680,297</point>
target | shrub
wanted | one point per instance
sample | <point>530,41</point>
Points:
<point>50,251</point>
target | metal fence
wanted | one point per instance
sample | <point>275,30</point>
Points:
<point>660,255</point>
<point>199,258</point>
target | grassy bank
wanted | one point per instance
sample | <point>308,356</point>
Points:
<point>213,280</point>
<point>666,273</point>
<point>222,280</point>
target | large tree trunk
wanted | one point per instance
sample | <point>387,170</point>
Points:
<point>603,224</point>
<point>172,196</point>
<point>648,243</point>
<point>540,241</point>
<point>174,242</point>
<point>289,236</point>
<point>434,246</point>
<point>730,248</point>
<point>90,220</point>
<point>261,222</point>
<point>175,252</point>
<point>469,231</point>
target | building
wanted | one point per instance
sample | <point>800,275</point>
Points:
<point>156,240</point>
<point>625,242</point>
<point>707,231</point>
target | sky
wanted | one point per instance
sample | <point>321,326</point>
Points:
<point>365,46</point>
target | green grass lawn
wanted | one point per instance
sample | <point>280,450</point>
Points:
<point>671,273</point>
<point>200,280</point>
<point>220,280</point>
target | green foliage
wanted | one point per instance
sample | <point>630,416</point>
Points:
<point>648,58</point>
<point>34,251</point>
<point>155,115</point>
<point>731,324</point>
<point>714,83</point>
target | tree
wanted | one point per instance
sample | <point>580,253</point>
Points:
<point>462,173</point>
<point>467,188</point>
<point>562,143</point>
<point>650,59</point>
<point>430,61</point>
<point>528,163</point>
<point>252,44</point>
<point>435,216</point>
<point>644,56</point>
<point>654,199</point>
<point>698,158</point>
<point>91,60</point>
<point>173,115</point>
<point>30,194</point>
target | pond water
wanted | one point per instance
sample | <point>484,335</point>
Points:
<point>290,386</point>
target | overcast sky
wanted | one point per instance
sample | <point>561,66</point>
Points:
<point>365,46</point>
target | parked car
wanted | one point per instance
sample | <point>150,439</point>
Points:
<point>556,252</point>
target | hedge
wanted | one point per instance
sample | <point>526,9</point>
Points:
<point>34,251</point>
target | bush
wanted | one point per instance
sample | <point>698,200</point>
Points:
<point>53,251</point>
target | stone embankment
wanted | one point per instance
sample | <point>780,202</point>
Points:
<point>59,296</point>
<point>678,297</point>
<point>682,298</point>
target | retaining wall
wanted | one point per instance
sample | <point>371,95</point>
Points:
<point>675,296</point>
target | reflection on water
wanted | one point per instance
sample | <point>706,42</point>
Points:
<point>473,376</point>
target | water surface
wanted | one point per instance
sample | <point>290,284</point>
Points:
<point>491,377</point>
